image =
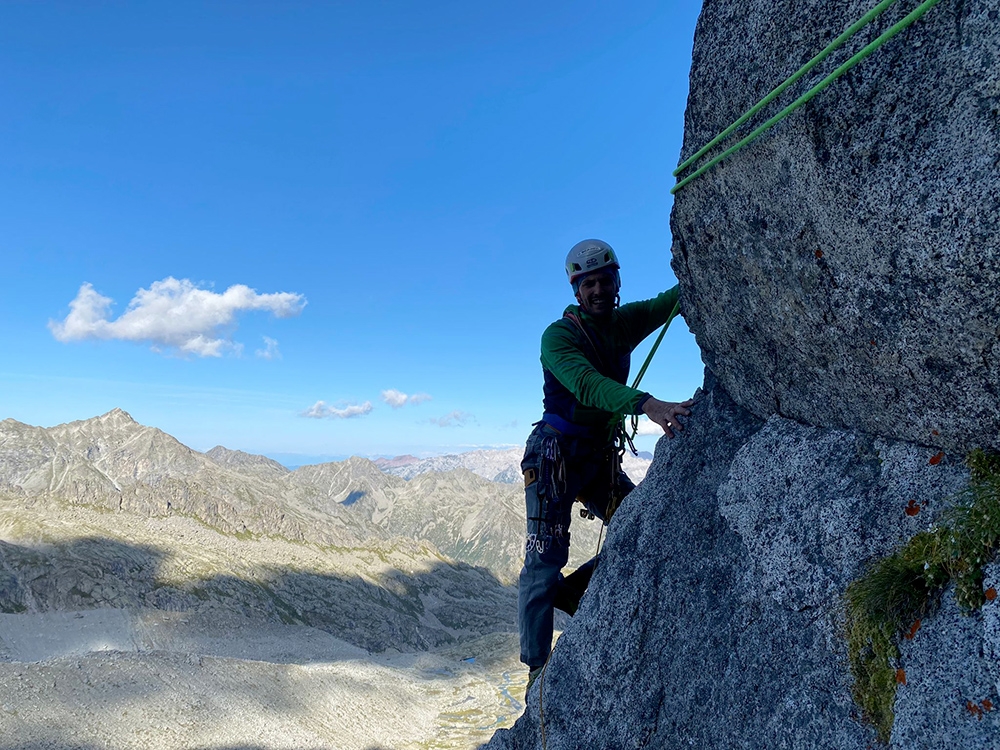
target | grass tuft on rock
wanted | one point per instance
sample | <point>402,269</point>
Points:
<point>897,591</point>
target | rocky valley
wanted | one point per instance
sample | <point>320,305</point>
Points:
<point>155,596</point>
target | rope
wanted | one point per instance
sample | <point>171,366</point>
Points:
<point>623,435</point>
<point>867,50</point>
<point>600,541</point>
<point>656,344</point>
<point>830,48</point>
<point>642,371</point>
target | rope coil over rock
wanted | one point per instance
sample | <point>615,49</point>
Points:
<point>911,18</point>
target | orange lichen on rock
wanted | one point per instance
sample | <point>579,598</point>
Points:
<point>912,631</point>
<point>901,676</point>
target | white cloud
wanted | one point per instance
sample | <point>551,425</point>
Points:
<point>394,398</point>
<point>398,399</point>
<point>270,351</point>
<point>647,427</point>
<point>323,410</point>
<point>453,419</point>
<point>172,314</point>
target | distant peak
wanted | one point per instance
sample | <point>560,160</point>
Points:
<point>406,460</point>
<point>117,415</point>
<point>239,459</point>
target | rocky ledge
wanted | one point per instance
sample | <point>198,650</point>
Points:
<point>715,619</point>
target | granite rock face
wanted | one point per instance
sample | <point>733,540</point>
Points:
<point>715,619</point>
<point>842,277</point>
<point>844,269</point>
<point>951,686</point>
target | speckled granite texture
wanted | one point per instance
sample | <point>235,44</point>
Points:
<point>715,617</point>
<point>844,269</point>
<point>842,277</point>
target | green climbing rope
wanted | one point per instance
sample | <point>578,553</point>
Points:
<point>825,53</point>
<point>867,50</point>
<point>642,371</point>
<point>656,344</point>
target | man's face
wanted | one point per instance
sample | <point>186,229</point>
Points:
<point>597,293</point>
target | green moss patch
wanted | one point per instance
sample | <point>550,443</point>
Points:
<point>897,591</point>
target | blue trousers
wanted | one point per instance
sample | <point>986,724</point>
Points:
<point>558,469</point>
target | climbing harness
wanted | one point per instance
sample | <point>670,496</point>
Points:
<point>865,51</point>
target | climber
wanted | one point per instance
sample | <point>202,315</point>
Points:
<point>571,453</point>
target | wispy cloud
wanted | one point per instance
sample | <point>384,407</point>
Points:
<point>398,399</point>
<point>323,410</point>
<point>173,314</point>
<point>646,427</point>
<point>270,350</point>
<point>453,419</point>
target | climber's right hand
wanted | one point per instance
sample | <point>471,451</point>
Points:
<point>666,413</point>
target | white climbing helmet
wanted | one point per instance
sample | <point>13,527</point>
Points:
<point>589,255</point>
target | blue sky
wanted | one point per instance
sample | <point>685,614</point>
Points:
<point>325,202</point>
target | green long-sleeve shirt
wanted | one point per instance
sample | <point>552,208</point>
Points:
<point>600,396</point>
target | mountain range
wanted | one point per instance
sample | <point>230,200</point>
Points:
<point>498,465</point>
<point>452,521</point>
<point>125,554</point>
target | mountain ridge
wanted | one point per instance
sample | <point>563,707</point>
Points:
<point>114,463</point>
<point>78,502</point>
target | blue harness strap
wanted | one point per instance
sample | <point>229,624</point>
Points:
<point>565,426</point>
